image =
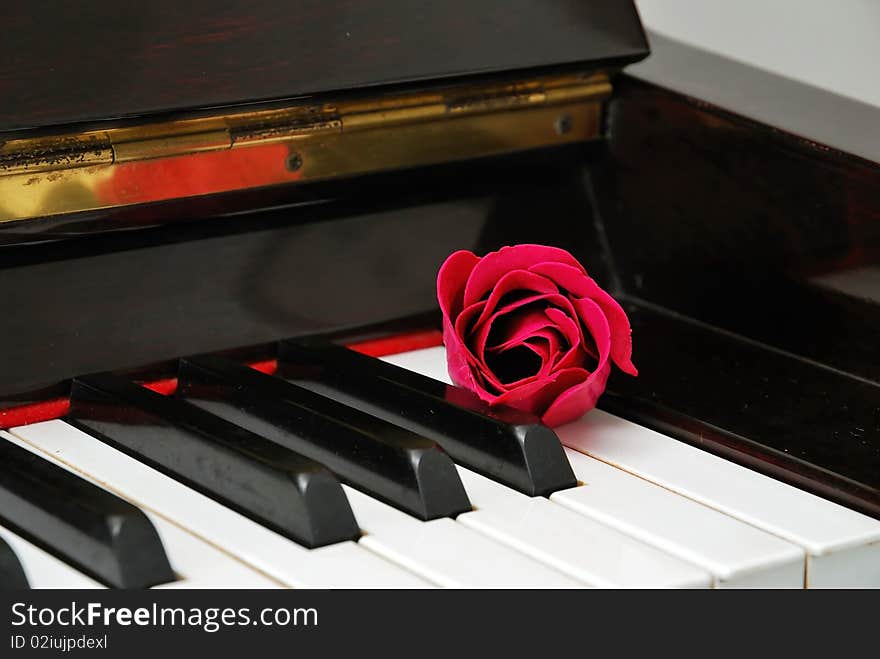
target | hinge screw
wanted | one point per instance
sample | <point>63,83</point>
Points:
<point>563,124</point>
<point>294,162</point>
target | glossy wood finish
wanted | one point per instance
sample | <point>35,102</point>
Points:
<point>120,300</point>
<point>64,63</point>
<point>80,523</point>
<point>272,485</point>
<point>507,445</point>
<point>762,216</point>
<point>396,465</point>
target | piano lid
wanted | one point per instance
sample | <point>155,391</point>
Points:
<point>64,63</point>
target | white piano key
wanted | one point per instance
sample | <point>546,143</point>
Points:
<point>42,569</point>
<point>446,552</point>
<point>576,545</point>
<point>199,565</point>
<point>430,362</point>
<point>842,546</point>
<point>737,554</point>
<point>196,564</point>
<point>343,565</point>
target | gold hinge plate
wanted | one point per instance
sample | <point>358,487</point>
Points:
<point>99,169</point>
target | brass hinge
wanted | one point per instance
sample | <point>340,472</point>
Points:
<point>106,168</point>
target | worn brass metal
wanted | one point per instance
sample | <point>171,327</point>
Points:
<point>144,163</point>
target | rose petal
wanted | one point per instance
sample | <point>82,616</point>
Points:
<point>463,359</point>
<point>451,281</point>
<point>495,265</point>
<point>493,384</point>
<point>544,343</point>
<point>538,395</point>
<point>479,342</point>
<point>517,280</point>
<point>520,326</point>
<point>475,352</point>
<point>482,330</point>
<point>594,318</point>
<point>508,363</point>
<point>581,398</point>
<point>578,348</point>
<point>581,285</point>
<point>621,332</point>
<point>575,357</point>
<point>457,364</point>
<point>577,400</point>
<point>563,342</point>
<point>547,333</point>
<point>464,323</point>
<point>574,280</point>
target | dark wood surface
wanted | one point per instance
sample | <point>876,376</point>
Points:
<point>370,254</point>
<point>722,219</point>
<point>63,62</point>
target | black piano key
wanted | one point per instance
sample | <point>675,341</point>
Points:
<point>509,446</point>
<point>12,575</point>
<point>264,481</point>
<point>80,523</point>
<point>391,463</point>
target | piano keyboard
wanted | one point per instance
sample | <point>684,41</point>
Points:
<point>224,473</point>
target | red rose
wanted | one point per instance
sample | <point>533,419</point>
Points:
<point>527,327</point>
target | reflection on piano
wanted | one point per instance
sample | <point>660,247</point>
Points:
<point>221,363</point>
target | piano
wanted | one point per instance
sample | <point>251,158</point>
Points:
<point>220,228</point>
